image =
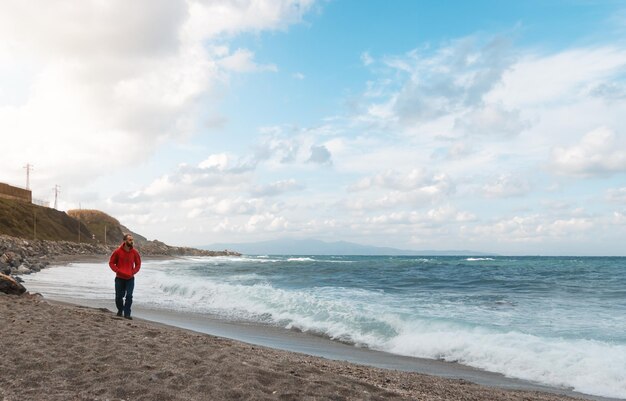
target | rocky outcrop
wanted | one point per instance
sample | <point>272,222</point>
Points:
<point>19,256</point>
<point>155,247</point>
<point>9,285</point>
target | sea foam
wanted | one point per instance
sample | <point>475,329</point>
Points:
<point>379,317</point>
<point>359,317</point>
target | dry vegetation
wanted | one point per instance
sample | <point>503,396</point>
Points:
<point>25,220</point>
<point>106,229</point>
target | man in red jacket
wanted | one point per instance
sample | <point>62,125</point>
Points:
<point>125,262</point>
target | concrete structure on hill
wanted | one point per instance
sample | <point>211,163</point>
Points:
<point>10,192</point>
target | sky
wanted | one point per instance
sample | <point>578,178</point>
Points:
<point>428,125</point>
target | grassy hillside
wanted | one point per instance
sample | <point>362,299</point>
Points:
<point>101,224</point>
<point>25,220</point>
<point>21,219</point>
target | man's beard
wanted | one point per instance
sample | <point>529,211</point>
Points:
<point>129,245</point>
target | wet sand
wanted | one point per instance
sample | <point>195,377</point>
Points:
<point>315,345</point>
<point>54,351</point>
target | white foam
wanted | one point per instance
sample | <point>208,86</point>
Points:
<point>254,259</point>
<point>359,316</point>
<point>80,280</point>
<point>364,317</point>
<point>588,366</point>
<point>478,259</point>
<point>300,260</point>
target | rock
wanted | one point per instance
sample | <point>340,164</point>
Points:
<point>156,247</point>
<point>5,268</point>
<point>22,269</point>
<point>9,286</point>
<point>16,259</point>
<point>18,256</point>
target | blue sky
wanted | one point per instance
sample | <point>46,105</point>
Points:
<point>485,125</point>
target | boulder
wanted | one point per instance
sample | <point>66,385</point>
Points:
<point>36,267</point>
<point>5,268</point>
<point>22,269</point>
<point>14,259</point>
<point>9,286</point>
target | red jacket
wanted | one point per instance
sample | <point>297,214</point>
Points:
<point>125,263</point>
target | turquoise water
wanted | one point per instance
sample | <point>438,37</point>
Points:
<point>555,320</point>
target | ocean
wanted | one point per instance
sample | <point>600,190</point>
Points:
<point>559,321</point>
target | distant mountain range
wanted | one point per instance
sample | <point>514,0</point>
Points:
<point>316,247</point>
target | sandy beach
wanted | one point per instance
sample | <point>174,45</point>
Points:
<point>55,351</point>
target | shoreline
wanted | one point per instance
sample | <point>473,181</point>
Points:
<point>64,351</point>
<point>296,342</point>
<point>62,260</point>
<point>307,344</point>
<point>19,256</point>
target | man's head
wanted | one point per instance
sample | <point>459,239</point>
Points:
<point>128,240</point>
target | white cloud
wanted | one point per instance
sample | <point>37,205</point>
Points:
<point>534,228</point>
<point>599,152</point>
<point>449,214</point>
<point>242,61</point>
<point>209,177</point>
<point>454,78</point>
<point>320,155</point>
<point>103,85</point>
<point>209,19</point>
<point>609,91</point>
<point>366,59</point>
<point>506,186</point>
<point>395,199</point>
<point>91,28</point>
<point>216,161</point>
<point>439,216</point>
<point>415,179</point>
<point>229,207</point>
<point>563,228</point>
<point>619,218</point>
<point>415,172</point>
<point>491,120</point>
<point>284,145</point>
<point>459,149</point>
<point>616,195</point>
<point>561,77</point>
<point>104,75</point>
<point>276,188</point>
<point>265,222</point>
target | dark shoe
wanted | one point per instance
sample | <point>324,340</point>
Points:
<point>128,317</point>
<point>119,313</point>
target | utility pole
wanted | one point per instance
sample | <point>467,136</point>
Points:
<point>57,191</point>
<point>28,168</point>
<point>79,222</point>
<point>105,235</point>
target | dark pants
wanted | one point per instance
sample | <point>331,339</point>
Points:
<point>124,288</point>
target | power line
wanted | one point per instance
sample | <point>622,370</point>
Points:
<point>57,191</point>
<point>28,168</point>
<point>79,211</point>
